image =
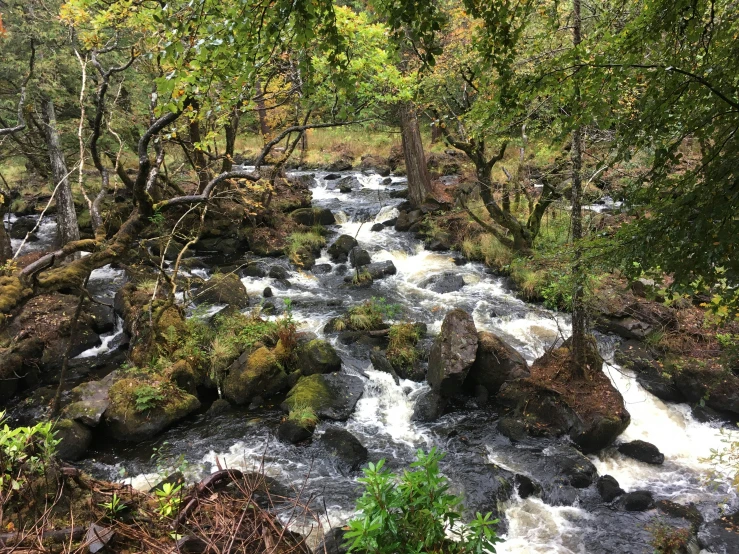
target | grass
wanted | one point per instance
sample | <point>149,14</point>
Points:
<point>402,352</point>
<point>488,249</point>
<point>312,240</point>
<point>303,415</point>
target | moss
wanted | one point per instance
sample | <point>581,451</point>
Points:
<point>12,292</point>
<point>402,352</point>
<point>310,392</point>
<point>260,360</point>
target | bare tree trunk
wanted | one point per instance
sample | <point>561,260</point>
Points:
<point>6,252</point>
<point>435,132</point>
<point>201,165</point>
<point>231,130</point>
<point>262,111</point>
<point>419,181</point>
<point>579,345</point>
<point>66,216</point>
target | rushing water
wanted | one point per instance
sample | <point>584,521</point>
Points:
<point>382,420</point>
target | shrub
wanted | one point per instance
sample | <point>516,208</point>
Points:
<point>147,397</point>
<point>415,513</point>
<point>667,539</point>
<point>25,452</point>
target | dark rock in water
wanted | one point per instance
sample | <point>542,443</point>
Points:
<point>561,494</point>
<point>526,486</point>
<point>608,488</point>
<point>719,538</point>
<point>317,356</point>
<point>704,414</point>
<point>390,222</point>
<point>313,216</point>
<point>340,269</point>
<point>429,407</point>
<point>378,270</point>
<point>381,363</point>
<point>278,272</point>
<point>322,269</point>
<point>459,260</point>
<point>636,501</point>
<point>339,250</point>
<point>101,318</point>
<point>331,396</point>
<point>90,400</point>
<point>452,353</point>
<point>642,451</point>
<point>496,363</point>
<point>74,439</point>
<point>268,308</point>
<point>256,373</point>
<point>176,478</point>
<point>219,407</point>
<point>339,165</point>
<point>689,513</point>
<point>22,227</point>
<point>267,293</point>
<point>387,181</point>
<point>444,283</point>
<point>377,227</point>
<point>407,219</point>
<point>715,387</point>
<point>571,466</point>
<point>282,284</point>
<point>332,177</point>
<point>345,189</point>
<point>401,193</point>
<point>484,485</point>
<point>253,269</point>
<point>347,452</point>
<point>513,428</point>
<point>303,258</point>
<point>332,543</point>
<point>359,257</point>
<point>292,433</point>
<point>223,289</point>
<point>635,355</point>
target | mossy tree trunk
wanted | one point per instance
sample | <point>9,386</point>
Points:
<point>419,180</point>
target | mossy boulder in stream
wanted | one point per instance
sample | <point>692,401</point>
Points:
<point>339,250</point>
<point>74,439</point>
<point>332,396</point>
<point>254,373</point>
<point>317,356</point>
<point>140,408</point>
<point>223,288</point>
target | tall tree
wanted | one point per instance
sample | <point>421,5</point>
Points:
<point>419,180</point>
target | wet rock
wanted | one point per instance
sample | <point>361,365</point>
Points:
<point>429,407</point>
<point>689,513</point>
<point>322,269</point>
<point>704,414</point>
<point>387,180</point>
<point>608,488</point>
<point>484,485</point>
<point>126,422</point>
<point>219,407</point>
<point>381,363</point>
<point>407,219</point>
<point>331,396</point>
<point>292,433</point>
<point>278,272</point>
<point>101,318</point>
<point>636,320</point>
<point>526,486</point>
<point>378,270</point>
<point>267,293</point>
<point>332,177</point>
<point>343,164</point>
<point>253,269</point>
<point>332,543</point>
<point>444,283</point>
<point>561,494</point>
<point>344,448</point>
<point>642,451</point>
<point>401,193</point>
<point>339,250</point>
<point>313,216</point>
<point>377,227</point>
<point>269,308</point>
<point>359,257</point>
<point>253,374</point>
<point>223,289</point>
<point>570,465</point>
<point>317,356</point>
<point>348,183</point>
<point>90,400</point>
<point>452,353</point>
<point>439,242</point>
<point>74,439</point>
<point>716,388</point>
<point>390,222</point>
<point>495,363</point>
<point>636,501</point>
<point>634,355</point>
<point>372,164</point>
<point>720,536</point>
<point>22,227</point>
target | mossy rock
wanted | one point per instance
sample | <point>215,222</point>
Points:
<point>254,373</point>
<point>125,422</point>
<point>313,216</point>
<point>332,396</point>
<point>182,374</point>
<point>90,400</point>
<point>74,439</point>
<point>317,356</point>
<point>303,258</point>
<point>223,289</point>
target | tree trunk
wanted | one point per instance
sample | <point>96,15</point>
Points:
<point>231,130</point>
<point>6,252</point>
<point>262,111</point>
<point>66,217</point>
<point>198,155</point>
<point>419,181</point>
<point>579,354</point>
<point>435,132</point>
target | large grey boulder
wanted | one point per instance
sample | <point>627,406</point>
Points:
<point>495,363</point>
<point>452,353</point>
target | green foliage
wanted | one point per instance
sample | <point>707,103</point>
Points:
<point>402,352</point>
<point>169,498</point>
<point>147,397</point>
<point>312,241</point>
<point>302,414</point>
<point>487,249</point>
<point>114,507</point>
<point>415,513</point>
<point>557,292</point>
<point>25,452</point>
<point>729,343</point>
<point>667,539</point>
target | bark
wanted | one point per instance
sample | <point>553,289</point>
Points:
<point>231,130</point>
<point>262,111</point>
<point>6,252</point>
<point>198,157</point>
<point>419,181</point>
<point>66,216</point>
<point>579,353</point>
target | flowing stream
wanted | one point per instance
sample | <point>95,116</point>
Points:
<point>382,420</point>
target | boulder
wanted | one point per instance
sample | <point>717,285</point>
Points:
<point>223,289</point>
<point>317,356</point>
<point>570,466</point>
<point>377,227</point>
<point>452,353</point>
<point>378,270</point>
<point>267,292</point>
<point>343,164</point>
<point>253,374</point>
<point>339,250</point>
<point>359,257</point>
<point>720,536</point>
<point>344,449</point>
<point>689,513</point>
<point>126,421</point>
<point>608,488</point>
<point>636,501</point>
<point>635,355</point>
<point>715,387</point>
<point>303,258</point>
<point>381,363</point>
<point>406,220</point>
<point>74,439</point>
<point>253,269</point>
<point>636,320</point>
<point>643,451</point>
<point>101,318</point>
<point>483,485</point>
<point>526,486</point>
<point>90,400</point>
<point>332,177</point>
<point>440,242</point>
<point>313,216</point>
<point>292,433</point>
<point>444,283</point>
<point>322,269</point>
<point>429,407</point>
<point>496,363</point>
<point>331,396</point>
<point>21,227</point>
<point>278,272</point>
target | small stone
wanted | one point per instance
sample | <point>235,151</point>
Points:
<point>267,292</point>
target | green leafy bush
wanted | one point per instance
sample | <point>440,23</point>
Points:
<point>147,397</point>
<point>415,514</point>
<point>24,452</point>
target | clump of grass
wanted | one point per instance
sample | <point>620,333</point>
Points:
<point>530,282</point>
<point>488,249</point>
<point>372,314</point>
<point>299,242</point>
<point>303,415</point>
<point>402,352</point>
<point>362,278</point>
